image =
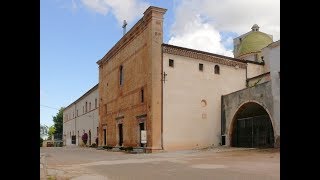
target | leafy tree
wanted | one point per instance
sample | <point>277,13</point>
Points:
<point>43,129</point>
<point>51,131</point>
<point>58,121</point>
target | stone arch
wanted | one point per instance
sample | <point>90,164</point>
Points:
<point>237,114</point>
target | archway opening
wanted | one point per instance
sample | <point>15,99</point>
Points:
<point>252,127</point>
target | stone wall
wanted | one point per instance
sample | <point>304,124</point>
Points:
<point>260,94</point>
<point>192,98</point>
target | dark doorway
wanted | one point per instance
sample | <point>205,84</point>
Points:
<point>89,137</point>
<point>252,127</point>
<point>73,139</point>
<point>120,135</point>
<point>105,137</point>
<point>141,127</point>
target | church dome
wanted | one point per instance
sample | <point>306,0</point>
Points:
<point>254,41</point>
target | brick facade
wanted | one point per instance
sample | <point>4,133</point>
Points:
<point>139,54</point>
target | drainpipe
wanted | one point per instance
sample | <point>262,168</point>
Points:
<point>161,99</point>
<point>75,121</point>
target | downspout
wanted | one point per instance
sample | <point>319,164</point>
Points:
<point>161,98</point>
<point>75,121</point>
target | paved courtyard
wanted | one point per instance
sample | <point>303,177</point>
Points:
<point>217,163</point>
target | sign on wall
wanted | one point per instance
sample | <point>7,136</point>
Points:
<point>143,136</point>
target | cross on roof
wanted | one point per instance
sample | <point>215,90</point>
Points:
<point>124,26</point>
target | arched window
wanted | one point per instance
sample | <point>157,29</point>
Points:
<point>86,106</point>
<point>89,106</point>
<point>121,75</point>
<point>216,69</point>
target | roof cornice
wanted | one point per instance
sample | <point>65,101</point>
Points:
<point>84,95</point>
<point>206,56</point>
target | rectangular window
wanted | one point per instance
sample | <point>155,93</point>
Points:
<point>95,103</point>
<point>89,106</point>
<point>73,139</point>
<point>77,113</point>
<point>83,109</point>
<point>121,75</point>
<point>142,95</point>
<point>86,106</point>
<point>200,67</point>
<point>171,63</point>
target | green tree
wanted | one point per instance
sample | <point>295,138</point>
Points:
<point>51,131</point>
<point>58,121</point>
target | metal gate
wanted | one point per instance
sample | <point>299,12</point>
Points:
<point>254,131</point>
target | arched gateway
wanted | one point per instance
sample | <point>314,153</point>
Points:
<point>252,127</point>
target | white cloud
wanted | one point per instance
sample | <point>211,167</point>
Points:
<point>99,6</point>
<point>201,36</point>
<point>74,6</point>
<point>216,16</point>
<point>127,10</point>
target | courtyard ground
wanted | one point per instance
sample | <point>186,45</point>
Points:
<point>223,163</point>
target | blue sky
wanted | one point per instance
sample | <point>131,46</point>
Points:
<point>75,34</point>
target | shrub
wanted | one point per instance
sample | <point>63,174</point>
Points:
<point>122,148</point>
<point>81,144</point>
<point>129,148</point>
<point>107,147</point>
<point>41,141</point>
<point>94,145</point>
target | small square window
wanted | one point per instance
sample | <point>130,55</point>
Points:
<point>171,63</point>
<point>200,67</point>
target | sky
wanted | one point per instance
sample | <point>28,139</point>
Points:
<point>75,34</point>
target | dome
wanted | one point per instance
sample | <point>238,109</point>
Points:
<point>254,42</point>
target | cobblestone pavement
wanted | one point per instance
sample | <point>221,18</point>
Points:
<point>213,163</point>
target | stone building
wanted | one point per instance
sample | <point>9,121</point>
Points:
<point>82,116</point>
<point>158,96</point>
<point>172,93</point>
<point>130,85</point>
